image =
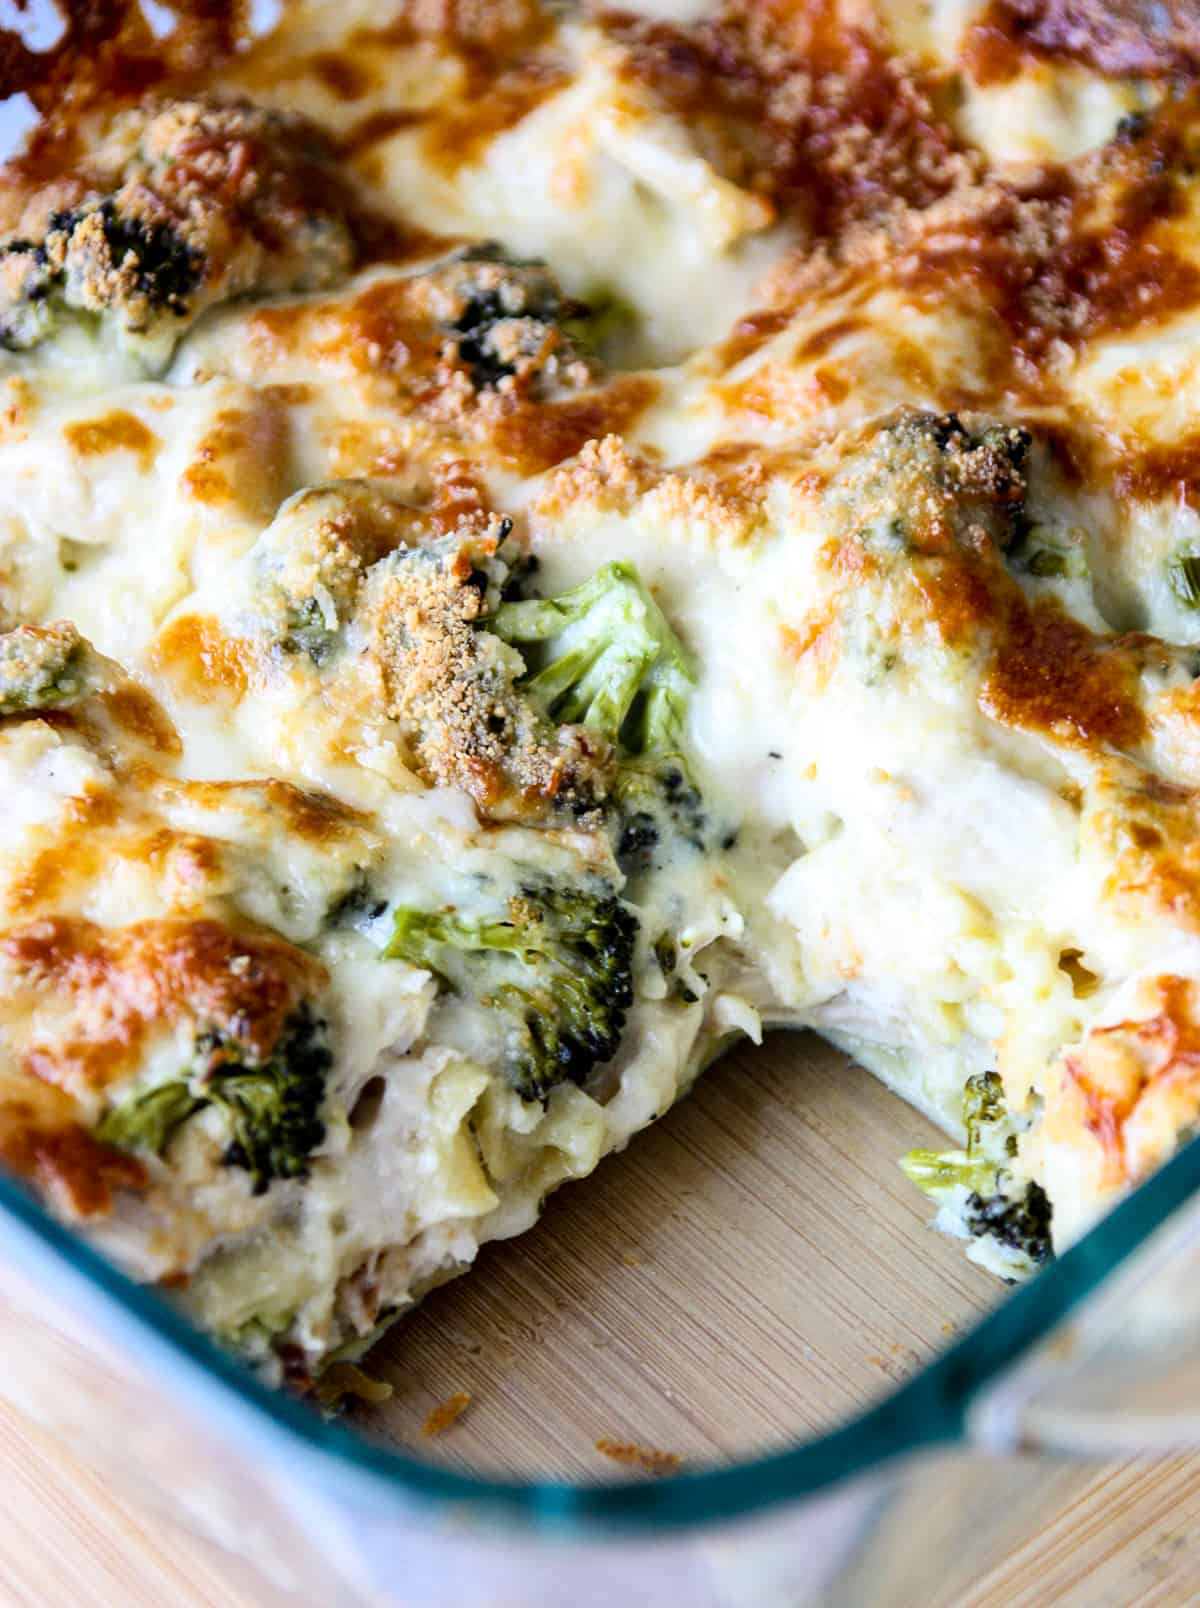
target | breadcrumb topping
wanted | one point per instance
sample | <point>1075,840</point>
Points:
<point>187,203</point>
<point>451,688</point>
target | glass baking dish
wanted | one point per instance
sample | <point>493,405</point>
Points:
<point>751,1288</point>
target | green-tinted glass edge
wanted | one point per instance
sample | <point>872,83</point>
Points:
<point>928,1409</point>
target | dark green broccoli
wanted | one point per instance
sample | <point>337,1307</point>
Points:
<point>1021,1222</point>
<point>507,320</point>
<point>272,1107</point>
<point>191,203</point>
<point>923,476</point>
<point>554,966</point>
<point>992,1203</point>
<point>62,273</point>
<point>43,667</point>
<point>603,656</point>
<point>97,259</point>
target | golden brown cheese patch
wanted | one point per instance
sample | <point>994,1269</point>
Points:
<point>94,839</point>
<point>459,138</point>
<point>121,983</point>
<point>376,330</point>
<point>1086,251</point>
<point>343,76</point>
<point>316,818</point>
<point>927,510</point>
<point>137,715</point>
<point>1146,832</point>
<point>1151,473</point>
<point>194,652</point>
<point>1036,270</point>
<point>530,436</point>
<point>77,1173</point>
<point>107,57</point>
<point>388,341</point>
<point>487,26</point>
<point>117,431</point>
<point>1050,674</point>
<point>240,462</point>
<point>497,59</point>
<point>71,859</point>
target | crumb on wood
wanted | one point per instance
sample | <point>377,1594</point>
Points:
<point>446,1413</point>
<point>646,1458</point>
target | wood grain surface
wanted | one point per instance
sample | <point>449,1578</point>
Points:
<point>751,1270</point>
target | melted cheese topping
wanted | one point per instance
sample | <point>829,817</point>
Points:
<point>890,396</point>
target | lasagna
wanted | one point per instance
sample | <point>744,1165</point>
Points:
<point>537,540</point>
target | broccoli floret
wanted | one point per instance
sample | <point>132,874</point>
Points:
<point>924,476</point>
<point>357,586</point>
<point>453,689</point>
<point>613,662</point>
<point>309,564</point>
<point>604,657</point>
<point>85,254</point>
<point>508,322</point>
<point>975,1186</point>
<point>1021,1222</point>
<point>272,1106</point>
<point>658,800</point>
<point>554,966</point>
<point>43,667</point>
<point>189,202</point>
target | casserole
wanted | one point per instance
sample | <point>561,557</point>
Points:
<point>493,874</point>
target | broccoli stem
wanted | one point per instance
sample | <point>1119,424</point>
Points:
<point>616,668</point>
<point>933,1170</point>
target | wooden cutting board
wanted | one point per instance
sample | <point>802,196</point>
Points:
<point>714,1237</point>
